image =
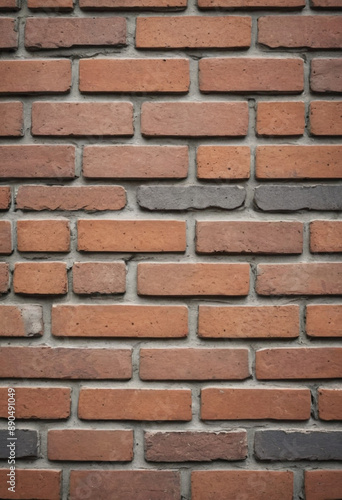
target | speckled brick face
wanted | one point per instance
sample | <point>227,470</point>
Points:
<point>171,249</point>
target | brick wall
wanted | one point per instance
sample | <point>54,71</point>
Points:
<point>171,239</point>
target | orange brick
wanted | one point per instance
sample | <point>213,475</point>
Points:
<point>50,4</point>
<point>133,4</point>
<point>99,277</point>
<point>4,277</point>
<point>324,320</point>
<point>39,484</point>
<point>21,321</point>
<point>325,236</point>
<point>193,279</point>
<point>280,118</point>
<point>40,278</point>
<point>5,197</point>
<point>51,403</point>
<point>9,5</point>
<point>323,484</point>
<point>8,34</point>
<point>135,404</point>
<point>325,74</point>
<point>326,117</point>
<point>244,4</point>
<point>43,235</point>
<point>223,162</point>
<point>330,404</point>
<point>6,237</point>
<point>11,121</point>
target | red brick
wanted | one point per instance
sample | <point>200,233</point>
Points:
<point>313,32</point>
<point>8,34</point>
<point>21,321</point>
<point>135,162</point>
<point>259,485</point>
<point>89,445</point>
<point>325,75</point>
<point>297,363</point>
<point>326,117</point>
<point>51,403</point>
<point>120,321</point>
<point>324,320</point>
<point>194,119</point>
<point>59,5</point>
<point>6,247</point>
<point>4,277</point>
<point>299,162</point>
<point>135,404</point>
<point>323,484</point>
<point>5,197</point>
<point>325,236</point>
<point>9,4</point>
<point>248,321</point>
<point>223,162</point>
<point>330,404</point>
<point>131,236</point>
<point>245,4</point>
<point>42,76</point>
<point>43,235</point>
<point>99,277</point>
<point>195,446</point>
<point>40,278</point>
<point>125,484</point>
<point>134,75</point>
<point>194,364</point>
<point>193,279</point>
<point>255,404</point>
<point>39,484</point>
<point>326,4</point>
<point>65,363</point>
<point>133,4</point>
<point>37,161</point>
<point>59,32</point>
<point>280,118</point>
<point>242,74</point>
<point>194,32</point>
<point>249,237</point>
<point>11,124</point>
<point>82,118</point>
<point>300,279</point>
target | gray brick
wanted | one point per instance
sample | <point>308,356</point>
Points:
<point>291,198</point>
<point>294,445</point>
<point>26,444</point>
<point>187,197</point>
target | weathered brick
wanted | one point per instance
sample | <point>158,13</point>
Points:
<point>65,363</point>
<point>249,237</point>
<point>38,402</point>
<point>11,121</point>
<point>193,279</point>
<point>39,484</point>
<point>248,321</point>
<point>325,236</point>
<point>60,5</point>
<point>99,277</point>
<point>193,32</point>
<point>193,446</point>
<point>244,74</point>
<point>330,404</point>
<point>256,484</point>
<point>8,34</point>
<point>49,235</point>
<point>313,32</point>
<point>26,444</point>
<point>190,197</point>
<point>299,162</point>
<point>6,247</point>
<point>9,4</point>
<point>67,32</point>
<point>326,117</point>
<point>325,75</point>
<point>314,278</point>
<point>135,162</point>
<point>280,118</point>
<point>194,119</point>
<point>126,484</point>
<point>223,162</point>
<point>21,321</point>
<point>253,4</point>
<point>133,4</point>
<point>4,277</point>
<point>134,75</point>
<point>322,484</point>
<point>135,404</point>
<point>82,118</point>
<point>274,445</point>
<point>324,320</point>
<point>90,445</point>
<point>131,235</point>
<point>45,76</point>
<point>194,364</point>
<point>297,363</point>
<point>5,196</point>
<point>255,404</point>
<point>37,161</point>
<point>120,321</point>
<point>291,198</point>
<point>40,278</point>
